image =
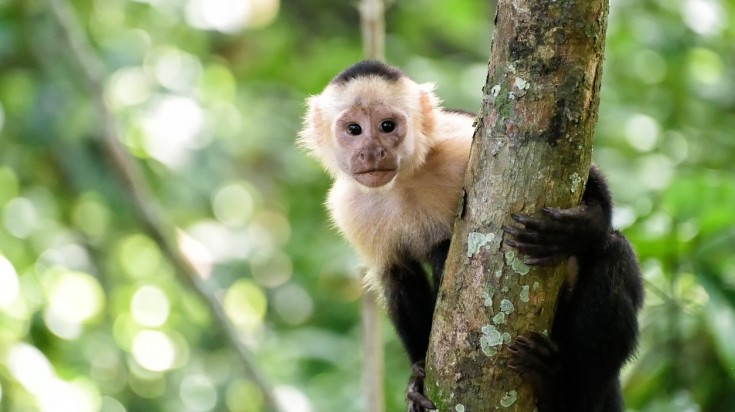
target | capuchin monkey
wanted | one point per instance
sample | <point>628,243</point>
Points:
<point>398,160</point>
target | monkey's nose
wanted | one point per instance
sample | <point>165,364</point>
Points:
<point>372,154</point>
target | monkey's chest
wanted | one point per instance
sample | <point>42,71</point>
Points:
<point>384,227</point>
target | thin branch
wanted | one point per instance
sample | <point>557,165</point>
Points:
<point>373,36</point>
<point>157,227</point>
<point>372,23</point>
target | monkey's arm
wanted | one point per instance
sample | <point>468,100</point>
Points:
<point>595,328</point>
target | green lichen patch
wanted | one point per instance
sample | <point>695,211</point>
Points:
<point>524,293</point>
<point>508,399</point>
<point>576,182</point>
<point>521,84</point>
<point>520,267</point>
<point>488,299</point>
<point>490,340</point>
<point>495,90</point>
<point>476,240</point>
<point>507,306</point>
<point>499,319</point>
<point>516,264</point>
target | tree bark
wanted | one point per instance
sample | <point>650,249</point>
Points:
<point>532,148</point>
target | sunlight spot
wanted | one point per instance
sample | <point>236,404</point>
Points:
<point>153,350</point>
<point>275,223</point>
<point>706,17</point>
<point>176,70</point>
<point>230,16</point>
<point>149,306</point>
<point>21,218</point>
<point>30,367</point>
<point>245,304</point>
<point>139,256</point>
<point>173,126</point>
<point>74,297</point>
<point>272,270</point>
<point>223,243</point>
<point>292,399</point>
<point>243,392</point>
<point>110,404</point>
<point>657,225</point>
<point>642,132</point>
<point>656,171</point>
<point>705,66</point>
<point>127,87</point>
<point>196,253</point>
<point>233,205</point>
<point>198,393</point>
<point>9,285</point>
<point>62,396</point>
<point>60,326</point>
<point>221,15</point>
<point>623,217</point>
<point>293,304</point>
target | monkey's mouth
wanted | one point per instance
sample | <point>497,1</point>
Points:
<point>375,177</point>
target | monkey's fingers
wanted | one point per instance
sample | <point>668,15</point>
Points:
<point>536,223</point>
<point>565,215</point>
<point>532,237</point>
<point>534,249</point>
<point>418,399</point>
<point>536,356</point>
<point>418,369</point>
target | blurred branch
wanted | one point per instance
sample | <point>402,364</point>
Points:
<point>373,36</point>
<point>372,23</point>
<point>91,69</point>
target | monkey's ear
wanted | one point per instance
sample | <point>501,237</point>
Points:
<point>429,103</point>
<point>313,130</point>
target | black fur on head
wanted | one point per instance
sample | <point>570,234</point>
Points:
<point>368,68</point>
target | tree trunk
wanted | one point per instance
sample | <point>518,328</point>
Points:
<point>532,149</point>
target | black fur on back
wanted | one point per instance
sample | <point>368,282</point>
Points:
<point>368,68</point>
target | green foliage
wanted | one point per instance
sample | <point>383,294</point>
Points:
<point>92,315</point>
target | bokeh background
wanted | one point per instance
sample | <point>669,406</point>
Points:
<point>207,97</point>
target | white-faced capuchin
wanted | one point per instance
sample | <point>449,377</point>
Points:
<point>398,160</point>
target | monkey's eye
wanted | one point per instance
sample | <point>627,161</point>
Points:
<point>354,129</point>
<point>387,126</point>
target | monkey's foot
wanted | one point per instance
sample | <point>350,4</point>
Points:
<point>417,401</point>
<point>536,358</point>
<point>560,233</point>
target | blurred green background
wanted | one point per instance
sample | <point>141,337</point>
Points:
<point>207,95</point>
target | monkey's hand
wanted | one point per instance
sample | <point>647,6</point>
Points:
<point>536,358</point>
<point>417,401</point>
<point>559,234</point>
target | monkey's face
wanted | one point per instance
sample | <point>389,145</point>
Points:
<point>369,141</point>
